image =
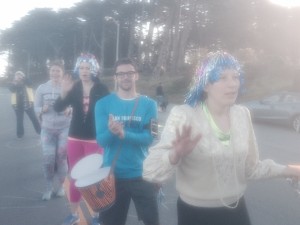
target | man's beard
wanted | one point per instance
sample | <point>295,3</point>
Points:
<point>125,87</point>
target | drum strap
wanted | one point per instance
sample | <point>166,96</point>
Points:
<point>120,147</point>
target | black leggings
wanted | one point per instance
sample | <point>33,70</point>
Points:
<point>192,215</point>
<point>20,120</point>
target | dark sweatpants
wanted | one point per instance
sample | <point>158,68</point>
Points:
<point>20,120</point>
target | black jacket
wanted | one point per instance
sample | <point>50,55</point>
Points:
<point>82,126</point>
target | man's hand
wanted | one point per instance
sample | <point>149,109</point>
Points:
<point>45,108</point>
<point>115,127</point>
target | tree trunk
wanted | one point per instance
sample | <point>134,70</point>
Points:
<point>176,39</point>
<point>165,47</point>
<point>131,46</point>
<point>180,48</point>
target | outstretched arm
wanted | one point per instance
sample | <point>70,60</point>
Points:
<point>260,169</point>
<point>67,92</point>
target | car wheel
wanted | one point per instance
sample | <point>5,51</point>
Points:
<point>296,123</point>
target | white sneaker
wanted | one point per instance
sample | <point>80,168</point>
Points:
<point>60,192</point>
<point>47,196</point>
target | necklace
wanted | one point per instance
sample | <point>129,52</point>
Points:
<point>222,136</point>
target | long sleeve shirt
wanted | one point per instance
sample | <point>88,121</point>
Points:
<point>46,94</point>
<point>136,115</point>
<point>82,123</point>
<point>213,174</point>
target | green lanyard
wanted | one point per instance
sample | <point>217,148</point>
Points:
<point>222,136</point>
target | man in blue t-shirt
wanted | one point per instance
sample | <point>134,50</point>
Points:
<point>123,122</point>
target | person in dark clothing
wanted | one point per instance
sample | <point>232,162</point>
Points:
<point>162,101</point>
<point>81,95</point>
<point>159,90</point>
<point>22,99</point>
<point>82,123</point>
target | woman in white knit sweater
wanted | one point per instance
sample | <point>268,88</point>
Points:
<point>210,143</point>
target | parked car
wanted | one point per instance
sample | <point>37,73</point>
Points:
<point>280,108</point>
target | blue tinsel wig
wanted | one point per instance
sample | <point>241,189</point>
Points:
<point>89,58</point>
<point>209,72</point>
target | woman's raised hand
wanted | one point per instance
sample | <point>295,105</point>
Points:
<point>66,85</point>
<point>183,144</point>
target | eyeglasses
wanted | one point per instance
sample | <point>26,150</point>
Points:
<point>128,74</point>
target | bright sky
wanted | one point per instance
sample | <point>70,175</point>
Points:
<point>14,10</point>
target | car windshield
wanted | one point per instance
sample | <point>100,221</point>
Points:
<point>284,98</point>
<point>291,99</point>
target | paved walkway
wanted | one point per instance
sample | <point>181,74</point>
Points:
<point>22,180</point>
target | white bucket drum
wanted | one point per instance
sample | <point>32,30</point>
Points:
<point>295,181</point>
<point>98,189</point>
<point>86,166</point>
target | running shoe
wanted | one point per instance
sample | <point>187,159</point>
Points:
<point>95,221</point>
<point>60,192</point>
<point>47,195</point>
<point>71,220</point>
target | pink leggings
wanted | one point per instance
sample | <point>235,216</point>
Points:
<point>77,149</point>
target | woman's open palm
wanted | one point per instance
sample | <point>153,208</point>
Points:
<point>184,142</point>
<point>67,84</point>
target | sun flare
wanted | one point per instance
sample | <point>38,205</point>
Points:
<point>287,3</point>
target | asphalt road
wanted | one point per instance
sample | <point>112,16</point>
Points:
<point>271,202</point>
